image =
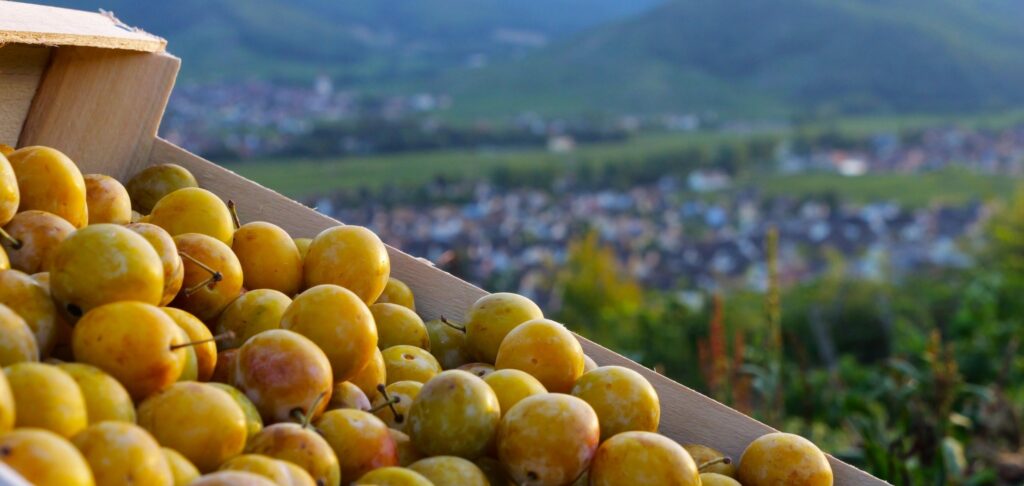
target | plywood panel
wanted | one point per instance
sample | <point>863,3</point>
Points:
<point>21,68</point>
<point>101,107</point>
<point>687,416</point>
<point>37,24</point>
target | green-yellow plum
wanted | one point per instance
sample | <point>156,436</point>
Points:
<point>17,343</point>
<point>183,471</point>
<point>232,478</point>
<point>122,453</point>
<point>448,343</point>
<point>298,476</point>
<point>44,459</point>
<point>174,267</point>
<point>622,398</point>
<point>49,181</point>
<point>266,466</point>
<point>7,412</point>
<point>194,210</point>
<point>101,264</point>
<point>136,343</point>
<point>251,313</point>
<point>37,233</point>
<point>349,256</point>
<point>397,292</point>
<point>347,395</point>
<point>302,244</point>
<point>339,322</point>
<point>399,325</point>
<point>47,398</point>
<point>512,386</point>
<point>450,471</point>
<point>715,479</point>
<point>31,300</point>
<point>407,453</point>
<point>548,439</point>
<point>402,394</point>
<point>360,441</point>
<point>643,458</point>
<point>588,363</point>
<point>107,200</point>
<point>205,294</point>
<point>781,458</point>
<point>154,182</point>
<point>405,362</point>
<point>198,334</point>
<point>702,454</point>
<point>546,350</point>
<point>201,422</point>
<point>301,446</point>
<point>253,421</point>
<point>393,476</point>
<point>494,316</point>
<point>10,197</point>
<point>269,257</point>
<point>455,414</point>
<point>372,375</point>
<point>481,370</point>
<point>283,372</point>
<point>105,398</point>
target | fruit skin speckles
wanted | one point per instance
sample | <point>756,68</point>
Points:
<point>548,439</point>
<point>642,458</point>
<point>455,414</point>
<point>352,257</point>
<point>492,317</point>
<point>622,398</point>
<point>781,458</point>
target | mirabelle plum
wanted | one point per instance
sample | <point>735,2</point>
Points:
<point>401,394</point>
<point>283,372</point>
<point>622,398</point>
<point>781,458</point>
<point>48,180</point>
<point>253,421</point>
<point>643,458</point>
<point>336,320</point>
<point>47,398</point>
<point>269,257</point>
<point>301,446</point>
<point>184,472</point>
<point>350,256</point>
<point>36,236</point>
<point>512,386</point>
<point>450,470</point>
<point>194,210</point>
<point>197,333</point>
<point>372,375</point>
<point>347,395</point>
<point>251,313</point>
<point>399,325</point>
<point>153,183</point>
<point>105,398</point>
<point>546,350</point>
<point>213,276</point>
<point>409,363</point>
<point>548,439</point>
<point>44,458</point>
<point>107,200</point>
<point>17,343</point>
<point>397,292</point>
<point>393,476</point>
<point>10,197</point>
<point>455,413</point>
<point>123,453</point>
<point>361,441</point>
<point>163,243</point>
<point>448,343</point>
<point>31,300</point>
<point>492,317</point>
<point>703,454</point>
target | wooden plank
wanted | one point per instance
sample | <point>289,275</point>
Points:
<point>101,107</point>
<point>687,416</point>
<point>21,67</point>
<point>25,23</point>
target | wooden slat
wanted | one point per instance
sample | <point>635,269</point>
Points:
<point>687,416</point>
<point>101,107</point>
<point>24,23</point>
<point>21,68</point>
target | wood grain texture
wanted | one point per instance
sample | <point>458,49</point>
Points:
<point>687,416</point>
<point>21,68</point>
<point>26,23</point>
<point>101,107</point>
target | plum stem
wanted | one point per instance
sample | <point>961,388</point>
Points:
<point>16,244</point>
<point>712,462</point>
<point>234,214</point>
<point>220,337</point>
<point>461,329</point>
<point>305,416</point>
<point>215,276</point>
<point>388,402</point>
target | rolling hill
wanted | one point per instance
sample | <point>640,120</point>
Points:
<point>770,56</point>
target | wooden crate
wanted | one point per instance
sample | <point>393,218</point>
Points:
<point>96,90</point>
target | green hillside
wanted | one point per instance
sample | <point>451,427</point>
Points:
<point>760,56</point>
<point>357,41</point>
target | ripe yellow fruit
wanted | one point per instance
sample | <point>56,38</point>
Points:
<point>394,476</point>
<point>546,350</point>
<point>407,453</point>
<point>715,479</point>
<point>191,370</point>
<point>512,386</point>
<point>253,421</point>
<point>269,257</point>
<point>588,364</point>
<point>480,370</point>
<point>105,398</point>
<point>232,478</point>
<point>194,210</point>
<point>196,332</point>
<point>347,395</point>
<point>133,342</point>
<point>409,363</point>
<point>301,446</point>
<point>101,264</point>
<point>302,244</point>
<point>10,197</point>
<point>643,458</point>
<point>622,398</point>
<point>373,374</point>
<point>122,453</point>
<point>350,256</point>
<point>492,317</point>
<point>153,183</point>
<point>549,439</point>
<point>402,393</point>
<point>174,268</point>
<point>360,441</point>
<point>38,234</point>
<point>184,472</point>
<point>781,458</point>
<point>397,292</point>
<point>48,180</point>
<point>336,320</point>
<point>298,476</point>
<point>283,372</point>
<point>202,294</point>
<point>47,398</point>
<point>200,421</point>
<point>44,458</point>
<point>31,300</point>
<point>251,313</point>
<point>448,343</point>
<point>7,412</point>
<point>455,414</point>
<point>107,200</point>
<point>399,325</point>
<point>17,343</point>
<point>444,470</point>
<point>265,466</point>
<point>702,454</point>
